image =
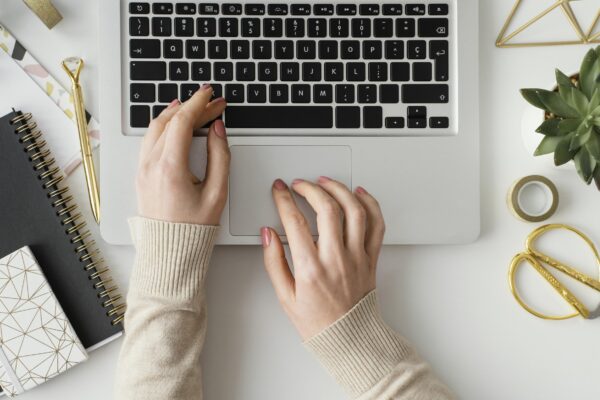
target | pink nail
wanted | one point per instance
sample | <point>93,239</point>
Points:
<point>220,128</point>
<point>361,190</point>
<point>324,179</point>
<point>297,181</point>
<point>279,184</point>
<point>205,86</point>
<point>219,100</point>
<point>173,103</point>
<point>265,235</point>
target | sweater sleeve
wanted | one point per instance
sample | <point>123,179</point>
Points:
<point>165,321</point>
<point>371,361</point>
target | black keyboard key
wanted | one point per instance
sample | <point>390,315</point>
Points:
<point>262,49</point>
<point>355,72</point>
<point>207,27</point>
<point>167,92</point>
<point>279,117</point>
<point>372,50</point>
<point>273,27</point>
<point>245,71</point>
<point>334,72</point>
<point>306,49</point>
<point>240,49</point>
<point>416,49</point>
<point>223,71</point>
<point>201,72</point>
<point>195,49</point>
<point>392,9</point>
<point>414,9</point>
<point>389,94</point>
<point>185,8</point>
<point>156,110</point>
<point>347,117</point>
<point>300,94</point>
<point>416,112</point>
<point>400,71</point>
<point>139,8</point>
<point>250,27</point>
<point>173,48</point>
<point>383,27</point>
<point>144,48</point>
<point>344,94</point>
<point>438,9</point>
<point>394,49</point>
<point>139,26</point>
<point>422,72</point>
<point>209,9</point>
<point>346,9</point>
<point>161,26</point>
<point>424,93</point>
<point>278,94</point>
<point>378,72</point>
<point>228,27</point>
<point>339,27</point>
<point>439,122</point>
<point>405,27</point>
<point>361,27</point>
<point>188,90</point>
<point>372,117</point>
<point>289,72</point>
<point>323,9</point>
<point>322,94</point>
<point>184,27</point>
<point>367,93</point>
<point>311,72</point>
<point>278,9</point>
<point>350,49</point>
<point>433,27</point>
<point>294,27</point>
<point>267,71</point>
<point>257,93</point>
<point>217,90</point>
<point>438,51</point>
<point>417,122</point>
<point>317,27</point>
<point>231,9</point>
<point>139,116</point>
<point>284,49</point>
<point>162,8</point>
<point>254,9</point>
<point>394,122</point>
<point>142,93</point>
<point>234,93</point>
<point>328,49</point>
<point>148,71</point>
<point>217,49</point>
<point>300,9</point>
<point>179,71</point>
<point>369,9</point>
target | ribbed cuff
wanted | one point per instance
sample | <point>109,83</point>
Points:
<point>171,258</point>
<point>359,349</point>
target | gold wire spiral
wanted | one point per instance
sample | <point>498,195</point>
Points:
<point>88,253</point>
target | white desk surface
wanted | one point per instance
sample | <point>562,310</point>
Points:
<point>453,303</point>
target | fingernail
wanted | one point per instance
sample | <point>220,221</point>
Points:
<point>206,86</point>
<point>219,100</point>
<point>173,103</point>
<point>297,181</point>
<point>265,234</point>
<point>360,190</point>
<point>324,179</point>
<point>279,184</point>
<point>220,129</point>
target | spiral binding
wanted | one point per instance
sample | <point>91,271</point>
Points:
<point>60,200</point>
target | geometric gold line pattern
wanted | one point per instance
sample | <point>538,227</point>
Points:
<point>36,339</point>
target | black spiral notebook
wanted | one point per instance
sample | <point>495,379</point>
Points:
<point>37,210</point>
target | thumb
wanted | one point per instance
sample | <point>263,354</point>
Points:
<point>277,266</point>
<point>217,166</point>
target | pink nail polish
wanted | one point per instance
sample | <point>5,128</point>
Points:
<point>205,86</point>
<point>219,100</point>
<point>173,103</point>
<point>279,184</point>
<point>265,234</point>
<point>324,179</point>
<point>297,181</point>
<point>220,128</point>
<point>360,190</point>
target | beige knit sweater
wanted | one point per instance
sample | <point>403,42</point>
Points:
<point>165,327</point>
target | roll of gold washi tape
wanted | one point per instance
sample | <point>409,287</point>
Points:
<point>515,203</point>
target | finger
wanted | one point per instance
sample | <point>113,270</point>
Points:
<point>213,110</point>
<point>217,167</point>
<point>355,215</point>
<point>157,127</point>
<point>277,266</point>
<point>295,225</point>
<point>375,224</point>
<point>329,214</point>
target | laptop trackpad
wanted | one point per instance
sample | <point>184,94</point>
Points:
<point>253,170</point>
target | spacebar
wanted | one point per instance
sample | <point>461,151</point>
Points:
<point>285,117</point>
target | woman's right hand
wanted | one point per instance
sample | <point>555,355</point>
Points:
<point>335,273</point>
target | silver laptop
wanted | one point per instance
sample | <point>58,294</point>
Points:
<point>373,93</point>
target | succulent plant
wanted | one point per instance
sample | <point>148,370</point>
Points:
<point>571,126</point>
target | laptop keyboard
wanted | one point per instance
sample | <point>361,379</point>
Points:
<point>322,68</point>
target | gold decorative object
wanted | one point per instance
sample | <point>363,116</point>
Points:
<point>585,37</point>
<point>45,11</point>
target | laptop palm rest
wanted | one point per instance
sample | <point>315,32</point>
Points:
<point>254,168</point>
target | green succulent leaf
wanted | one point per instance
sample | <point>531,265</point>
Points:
<point>597,176</point>
<point>589,72</point>
<point>562,79</point>
<point>585,165</point>
<point>595,112</point>
<point>556,104</point>
<point>594,101</point>
<point>580,101</point>
<point>593,145</point>
<point>581,136</point>
<point>549,127</point>
<point>547,145</point>
<point>531,95</point>
<point>569,125</point>
<point>562,153</point>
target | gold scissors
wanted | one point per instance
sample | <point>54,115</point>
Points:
<point>541,262</point>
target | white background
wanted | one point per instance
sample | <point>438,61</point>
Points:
<point>452,302</point>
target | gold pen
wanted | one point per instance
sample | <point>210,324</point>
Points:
<point>73,67</point>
